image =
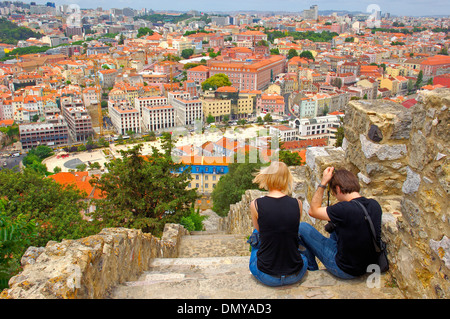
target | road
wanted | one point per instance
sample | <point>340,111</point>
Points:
<point>10,161</point>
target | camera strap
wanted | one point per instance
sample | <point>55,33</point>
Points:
<point>369,220</point>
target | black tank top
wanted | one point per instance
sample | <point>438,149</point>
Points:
<point>278,220</point>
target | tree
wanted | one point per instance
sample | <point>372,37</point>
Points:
<point>186,53</point>
<point>144,192</point>
<point>410,85</point>
<point>121,39</point>
<point>292,53</point>
<point>55,208</point>
<point>232,186</point>
<point>16,234</point>
<point>268,118</point>
<point>210,119</point>
<point>307,55</point>
<point>41,151</point>
<point>444,51</point>
<point>259,120</point>
<point>275,51</point>
<point>289,158</point>
<point>34,159</point>
<point>419,79</point>
<point>193,222</point>
<point>216,81</point>
<point>144,31</point>
<point>225,119</point>
<point>339,133</point>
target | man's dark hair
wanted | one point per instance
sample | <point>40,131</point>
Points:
<point>346,180</point>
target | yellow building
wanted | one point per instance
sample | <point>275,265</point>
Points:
<point>389,83</point>
<point>245,105</point>
<point>205,171</point>
<point>217,108</point>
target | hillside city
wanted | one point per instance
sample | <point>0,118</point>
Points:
<point>73,79</point>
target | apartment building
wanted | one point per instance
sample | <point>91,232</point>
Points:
<point>124,117</point>
<point>249,75</point>
<point>158,117</point>
<point>187,111</point>
<point>78,120</point>
<point>149,101</point>
<point>249,36</point>
<point>283,133</point>
<point>6,110</point>
<point>90,96</point>
<point>218,108</point>
<point>107,77</point>
<point>53,132</point>
<point>205,171</point>
<point>198,74</point>
<point>318,127</point>
<point>270,103</point>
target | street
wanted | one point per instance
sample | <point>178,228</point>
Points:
<point>10,161</point>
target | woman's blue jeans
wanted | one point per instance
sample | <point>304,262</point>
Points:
<point>267,279</point>
<point>323,248</point>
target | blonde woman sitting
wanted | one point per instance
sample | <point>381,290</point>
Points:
<point>275,258</point>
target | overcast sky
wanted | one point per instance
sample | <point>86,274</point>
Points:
<point>395,7</point>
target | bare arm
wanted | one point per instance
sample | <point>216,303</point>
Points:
<point>316,210</point>
<point>254,214</point>
<point>300,207</point>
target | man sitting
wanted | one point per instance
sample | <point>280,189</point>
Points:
<point>349,249</point>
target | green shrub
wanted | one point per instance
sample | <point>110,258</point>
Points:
<point>194,221</point>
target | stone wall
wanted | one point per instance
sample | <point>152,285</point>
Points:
<point>87,268</point>
<point>401,159</point>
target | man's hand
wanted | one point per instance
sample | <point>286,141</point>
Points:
<point>327,175</point>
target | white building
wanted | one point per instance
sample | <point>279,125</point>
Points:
<point>124,117</point>
<point>158,117</point>
<point>6,110</point>
<point>149,101</point>
<point>283,132</point>
<point>187,111</point>
<point>319,127</point>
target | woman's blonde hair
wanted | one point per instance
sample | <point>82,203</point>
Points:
<point>275,176</point>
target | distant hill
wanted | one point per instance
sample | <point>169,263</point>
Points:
<point>11,33</point>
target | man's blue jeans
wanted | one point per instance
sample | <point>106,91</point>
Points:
<point>321,247</point>
<point>267,279</point>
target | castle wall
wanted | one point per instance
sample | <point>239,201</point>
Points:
<point>88,267</point>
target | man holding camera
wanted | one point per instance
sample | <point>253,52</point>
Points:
<point>349,249</point>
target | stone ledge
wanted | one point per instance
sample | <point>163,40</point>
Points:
<point>88,267</point>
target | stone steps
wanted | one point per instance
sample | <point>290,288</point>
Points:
<point>230,278</point>
<point>214,265</point>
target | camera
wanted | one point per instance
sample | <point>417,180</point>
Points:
<point>330,227</point>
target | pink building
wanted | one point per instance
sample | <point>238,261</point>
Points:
<point>198,74</point>
<point>270,103</point>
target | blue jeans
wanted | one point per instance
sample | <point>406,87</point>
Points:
<point>321,247</point>
<point>267,279</point>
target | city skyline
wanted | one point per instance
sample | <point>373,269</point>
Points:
<point>399,8</point>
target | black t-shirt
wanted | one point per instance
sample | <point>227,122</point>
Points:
<point>355,249</point>
<point>278,220</point>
